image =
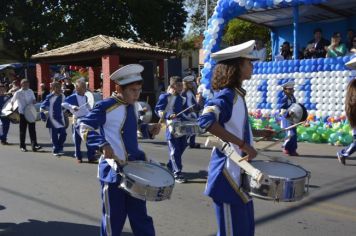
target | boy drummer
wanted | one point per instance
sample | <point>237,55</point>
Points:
<point>4,120</point>
<point>189,94</point>
<point>167,108</point>
<point>116,118</point>
<point>290,145</point>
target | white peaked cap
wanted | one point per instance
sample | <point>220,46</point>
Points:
<point>127,74</point>
<point>289,84</point>
<point>189,78</point>
<point>243,50</point>
<point>352,63</point>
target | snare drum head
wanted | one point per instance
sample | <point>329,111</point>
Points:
<point>148,174</point>
<point>7,108</point>
<point>279,169</point>
<point>300,113</point>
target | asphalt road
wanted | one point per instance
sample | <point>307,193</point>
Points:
<point>44,195</point>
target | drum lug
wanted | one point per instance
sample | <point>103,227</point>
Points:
<point>309,176</point>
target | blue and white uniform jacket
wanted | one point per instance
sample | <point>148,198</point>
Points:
<point>76,100</point>
<point>53,105</point>
<point>169,104</point>
<point>3,100</point>
<point>229,109</point>
<point>286,102</point>
<point>117,122</point>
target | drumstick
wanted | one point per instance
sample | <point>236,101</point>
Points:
<point>255,173</point>
<point>186,109</point>
<point>282,130</point>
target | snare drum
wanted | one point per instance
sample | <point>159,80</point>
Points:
<point>147,181</point>
<point>288,182</point>
<point>299,113</point>
<point>181,128</point>
<point>11,112</point>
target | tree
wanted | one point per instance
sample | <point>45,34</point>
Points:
<point>239,31</point>
<point>29,25</point>
<point>196,18</point>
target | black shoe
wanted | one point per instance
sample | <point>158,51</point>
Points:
<point>179,178</point>
<point>4,143</point>
<point>23,149</point>
<point>37,147</point>
<point>341,158</point>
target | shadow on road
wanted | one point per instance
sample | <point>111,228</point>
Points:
<point>306,203</point>
<point>196,177</point>
<point>2,207</point>
<point>53,228</point>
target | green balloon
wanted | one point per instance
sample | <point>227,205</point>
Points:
<point>333,138</point>
<point>305,136</point>
<point>346,128</point>
<point>316,138</point>
<point>346,139</point>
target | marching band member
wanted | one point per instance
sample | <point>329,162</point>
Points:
<point>226,117</point>
<point>4,120</point>
<point>290,145</point>
<point>168,106</point>
<point>24,97</point>
<point>55,121</point>
<point>77,104</point>
<point>117,119</point>
<point>189,94</point>
<point>350,109</point>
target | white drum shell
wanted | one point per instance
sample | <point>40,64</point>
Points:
<point>145,190</point>
<point>287,188</point>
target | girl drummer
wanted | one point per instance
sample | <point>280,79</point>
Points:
<point>350,109</point>
<point>226,117</point>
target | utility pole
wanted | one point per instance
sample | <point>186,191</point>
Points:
<point>206,13</point>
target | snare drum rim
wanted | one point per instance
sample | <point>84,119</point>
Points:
<point>292,179</point>
<point>145,162</point>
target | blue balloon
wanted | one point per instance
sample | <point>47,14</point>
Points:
<point>320,61</point>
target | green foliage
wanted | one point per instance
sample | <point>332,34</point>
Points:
<point>239,31</point>
<point>29,25</point>
<point>196,19</point>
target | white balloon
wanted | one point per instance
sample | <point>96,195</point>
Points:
<point>319,106</point>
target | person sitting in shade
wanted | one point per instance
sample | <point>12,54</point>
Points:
<point>336,48</point>
<point>286,52</point>
<point>316,47</point>
<point>259,51</point>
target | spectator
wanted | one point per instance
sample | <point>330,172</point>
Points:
<point>353,48</point>
<point>259,51</point>
<point>13,88</point>
<point>336,48</point>
<point>286,53</point>
<point>316,48</point>
<point>68,87</point>
<point>349,40</point>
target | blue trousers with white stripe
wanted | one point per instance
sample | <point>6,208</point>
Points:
<point>117,205</point>
<point>77,142</point>
<point>176,147</point>
<point>5,128</point>
<point>349,150</point>
<point>235,219</point>
<point>291,144</point>
<point>58,136</point>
